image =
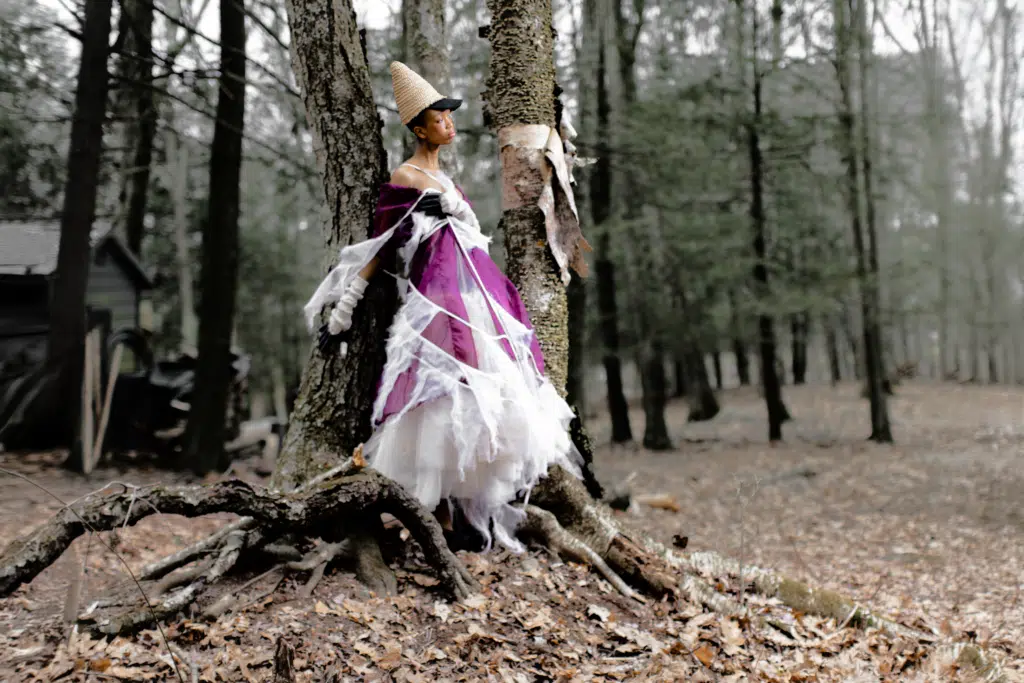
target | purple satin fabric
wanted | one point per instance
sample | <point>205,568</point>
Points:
<point>434,273</point>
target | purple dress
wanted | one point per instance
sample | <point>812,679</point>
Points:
<point>463,409</point>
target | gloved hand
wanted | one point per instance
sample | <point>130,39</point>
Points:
<point>431,205</point>
<point>330,338</point>
<point>454,205</point>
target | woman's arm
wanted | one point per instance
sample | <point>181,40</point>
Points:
<point>370,268</point>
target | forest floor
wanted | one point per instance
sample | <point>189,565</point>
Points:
<point>929,532</point>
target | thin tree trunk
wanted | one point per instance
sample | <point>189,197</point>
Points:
<point>601,208</point>
<point>854,126</point>
<point>799,329</point>
<point>832,348</point>
<point>655,390</point>
<point>680,385</point>
<point>716,362</point>
<point>703,404</point>
<point>331,414</point>
<point>777,411</point>
<point>67,294</point>
<point>739,345</point>
<point>177,161</point>
<point>137,69</point>
<point>206,432</point>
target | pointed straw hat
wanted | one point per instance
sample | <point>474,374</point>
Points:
<point>413,94</point>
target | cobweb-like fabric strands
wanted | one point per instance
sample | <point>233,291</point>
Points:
<point>463,410</point>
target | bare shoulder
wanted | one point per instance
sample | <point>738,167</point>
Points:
<point>407,177</point>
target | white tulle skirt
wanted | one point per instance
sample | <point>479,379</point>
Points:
<point>487,439</point>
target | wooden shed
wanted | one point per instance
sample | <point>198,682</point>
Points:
<point>28,258</point>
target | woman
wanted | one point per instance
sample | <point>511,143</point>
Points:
<point>463,413</point>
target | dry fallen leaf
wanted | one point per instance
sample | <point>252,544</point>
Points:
<point>601,613</point>
<point>705,655</point>
<point>732,637</point>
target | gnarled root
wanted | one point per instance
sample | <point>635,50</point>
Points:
<point>545,527</point>
<point>592,523</point>
<point>268,514</point>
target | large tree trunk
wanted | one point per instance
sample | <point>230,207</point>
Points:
<point>206,434</point>
<point>137,102</point>
<point>67,295</point>
<point>331,415</point>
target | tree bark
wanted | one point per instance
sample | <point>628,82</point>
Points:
<point>331,415</point>
<point>206,434</point>
<point>138,102</point>
<point>67,303</point>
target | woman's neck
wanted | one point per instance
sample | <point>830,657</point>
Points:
<point>427,157</point>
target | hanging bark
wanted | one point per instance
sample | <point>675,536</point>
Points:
<point>206,434</point>
<point>67,304</point>
<point>137,102</point>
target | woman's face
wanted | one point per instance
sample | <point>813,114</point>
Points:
<point>438,128</point>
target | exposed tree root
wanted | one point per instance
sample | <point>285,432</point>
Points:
<point>543,524</point>
<point>325,506</point>
<point>592,523</point>
<point>183,557</point>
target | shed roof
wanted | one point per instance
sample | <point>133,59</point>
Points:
<point>29,247</point>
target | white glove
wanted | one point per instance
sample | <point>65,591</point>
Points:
<point>455,206</point>
<point>341,317</point>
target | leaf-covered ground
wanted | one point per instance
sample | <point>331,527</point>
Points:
<point>929,532</point>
